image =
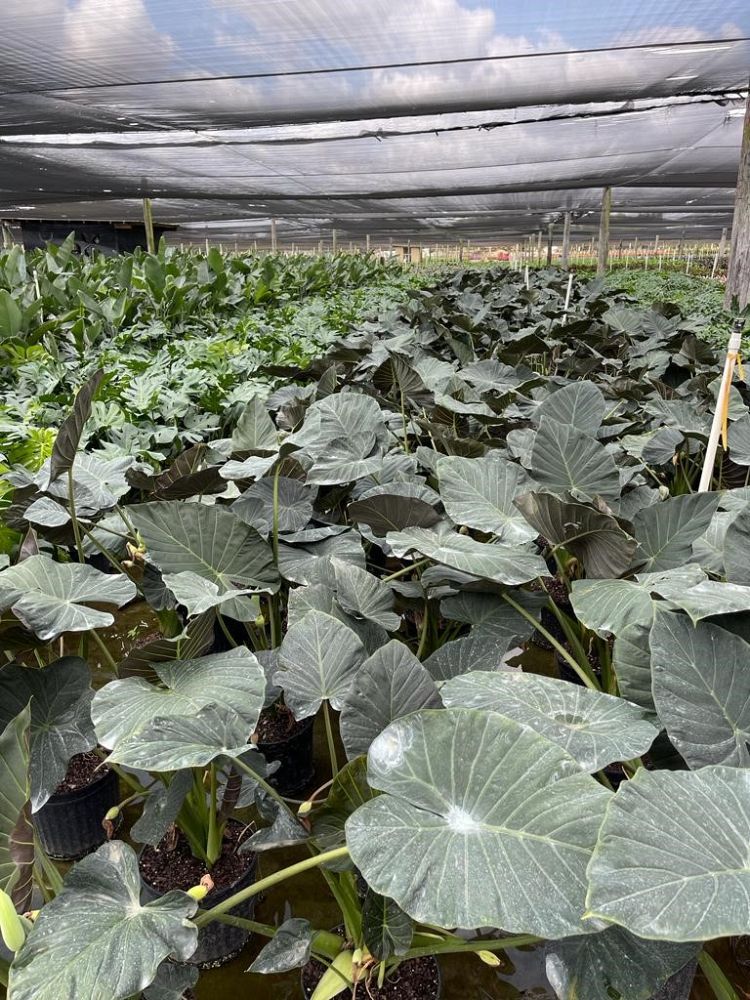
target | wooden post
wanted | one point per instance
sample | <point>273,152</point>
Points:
<point>274,238</point>
<point>320,247</point>
<point>334,241</point>
<point>719,252</point>
<point>367,243</point>
<point>601,267</point>
<point>550,233</point>
<point>148,224</point>
<point>564,261</point>
<point>738,272</point>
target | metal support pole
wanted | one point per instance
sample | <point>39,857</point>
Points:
<point>564,262</point>
<point>334,241</point>
<point>738,271</point>
<point>274,239</point>
<point>601,267</point>
<point>550,234</point>
<point>148,224</point>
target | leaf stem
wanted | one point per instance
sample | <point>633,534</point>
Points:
<point>268,882</point>
<point>457,947</point>
<point>405,570</point>
<point>73,518</point>
<point>717,980</point>
<point>329,737</point>
<point>552,641</point>
<point>108,658</point>
<point>225,630</point>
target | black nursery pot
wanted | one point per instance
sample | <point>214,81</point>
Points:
<point>69,824</point>
<point>218,943</point>
<point>295,754</point>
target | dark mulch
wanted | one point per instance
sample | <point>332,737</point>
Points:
<point>178,868</point>
<point>277,724</point>
<point>417,979</point>
<point>83,770</point>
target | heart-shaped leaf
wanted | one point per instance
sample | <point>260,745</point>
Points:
<point>69,434</point>
<point>50,598</point>
<point>289,948</point>
<point>594,538</point>
<point>318,659</point>
<point>95,939</point>
<point>361,594</point>
<point>211,542</point>
<point>60,717</point>
<point>500,563</point>
<point>179,741</point>
<point>701,689</point>
<point>480,493</point>
<point>388,685</point>
<point>580,404</point>
<point>386,512</point>
<point>666,531</point>
<point>233,681</point>
<point>16,834</point>
<point>613,963</point>
<point>597,729</point>
<point>671,859</point>
<point>508,813</point>
<point>565,460</point>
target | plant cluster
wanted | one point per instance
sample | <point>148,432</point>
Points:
<point>181,334</point>
<point>374,544</point>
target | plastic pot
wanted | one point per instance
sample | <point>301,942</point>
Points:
<point>295,754</point>
<point>69,824</point>
<point>218,943</point>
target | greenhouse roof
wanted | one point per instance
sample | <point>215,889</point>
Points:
<point>436,119</point>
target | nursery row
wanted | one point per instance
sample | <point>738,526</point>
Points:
<point>480,468</point>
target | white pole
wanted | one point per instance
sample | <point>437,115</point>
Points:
<point>733,347</point>
<point>526,276</point>
<point>567,294</point>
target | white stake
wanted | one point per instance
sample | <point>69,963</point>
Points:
<point>567,294</point>
<point>735,341</point>
<point>526,275</point>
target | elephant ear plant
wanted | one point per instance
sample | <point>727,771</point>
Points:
<point>465,542</point>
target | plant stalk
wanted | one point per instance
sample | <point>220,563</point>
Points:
<point>717,980</point>
<point>108,658</point>
<point>329,737</point>
<point>553,642</point>
<point>268,883</point>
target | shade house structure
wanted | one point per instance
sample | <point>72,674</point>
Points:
<point>432,122</point>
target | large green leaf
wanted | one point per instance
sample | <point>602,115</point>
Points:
<point>500,563</point>
<point>364,595</point>
<point>318,660</point>
<point>736,543</point>
<point>293,501</point>
<point>16,835</point>
<point>594,538</point>
<point>60,717</point>
<point>631,662</point>
<point>597,729</point>
<point>613,963</point>
<point>609,606</point>
<point>489,613</point>
<point>234,681</point>
<point>289,948</point>
<point>386,512</point>
<point>479,492</point>
<point>671,859</point>
<point>565,460</point>
<point>580,404</point>
<point>196,639</point>
<point>179,741</point>
<point>701,689</point>
<point>390,684</point>
<point>211,542</point>
<point>484,823</point>
<point>96,939</point>
<point>50,598</point>
<point>11,317</point>
<point>199,595</point>
<point>69,434</point>
<point>255,431</point>
<point>386,929</point>
<point>481,649</point>
<point>666,531</point>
